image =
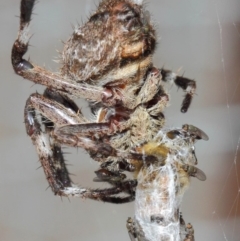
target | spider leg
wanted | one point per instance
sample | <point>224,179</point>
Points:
<point>73,135</point>
<point>186,84</point>
<point>50,154</point>
<point>115,200</point>
<point>62,116</point>
<point>59,115</point>
<point>105,175</point>
<point>115,178</point>
<point>52,161</point>
<point>39,75</point>
<point>151,86</point>
<point>122,164</point>
<point>127,186</point>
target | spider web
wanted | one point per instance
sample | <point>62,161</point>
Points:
<point>209,33</point>
<point>229,193</point>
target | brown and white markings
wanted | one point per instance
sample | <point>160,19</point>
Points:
<point>108,62</point>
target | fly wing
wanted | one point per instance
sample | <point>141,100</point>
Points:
<point>200,175</point>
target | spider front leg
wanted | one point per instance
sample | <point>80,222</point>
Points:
<point>186,84</point>
<point>72,129</point>
<point>49,150</point>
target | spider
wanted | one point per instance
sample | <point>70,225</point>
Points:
<point>108,62</point>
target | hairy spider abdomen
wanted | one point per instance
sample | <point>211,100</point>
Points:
<point>114,46</point>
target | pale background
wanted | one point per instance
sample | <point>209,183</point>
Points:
<point>202,38</point>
